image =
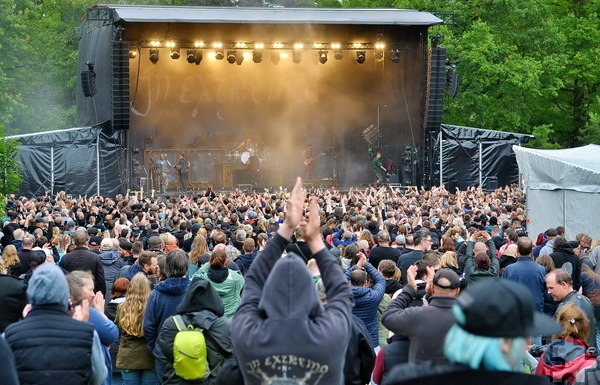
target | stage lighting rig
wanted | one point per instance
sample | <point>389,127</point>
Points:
<point>154,55</point>
<point>338,55</point>
<point>219,55</point>
<point>395,55</point>
<point>231,56</point>
<point>175,54</point>
<point>297,57</point>
<point>257,56</point>
<point>361,56</point>
<point>322,57</point>
<point>194,56</point>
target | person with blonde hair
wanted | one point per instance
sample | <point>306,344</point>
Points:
<point>568,354</point>
<point>134,359</point>
<point>198,254</point>
<point>12,263</point>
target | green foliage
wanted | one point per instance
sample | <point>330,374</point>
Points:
<point>10,175</point>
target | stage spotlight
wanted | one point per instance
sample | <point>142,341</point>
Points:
<point>322,57</point>
<point>154,55</point>
<point>361,56</point>
<point>297,57</point>
<point>132,54</point>
<point>219,55</point>
<point>379,56</point>
<point>231,57</point>
<point>175,54</point>
<point>338,55</point>
<point>395,55</point>
<point>257,56</point>
<point>194,56</point>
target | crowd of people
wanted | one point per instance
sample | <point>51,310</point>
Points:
<point>372,285</point>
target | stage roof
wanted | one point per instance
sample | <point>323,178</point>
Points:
<point>255,15</point>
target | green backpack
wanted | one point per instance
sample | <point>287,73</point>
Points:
<point>189,351</point>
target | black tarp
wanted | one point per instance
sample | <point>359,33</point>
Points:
<point>67,160</point>
<point>461,158</point>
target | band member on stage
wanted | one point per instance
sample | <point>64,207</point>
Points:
<point>163,166</point>
<point>183,168</point>
<point>378,168</point>
<point>309,157</point>
<point>246,145</point>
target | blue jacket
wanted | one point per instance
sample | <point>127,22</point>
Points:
<point>366,300</point>
<point>162,304</point>
<point>108,333</point>
<point>337,242</point>
<point>530,274</point>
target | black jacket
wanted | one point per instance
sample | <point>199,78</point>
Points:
<point>360,356</point>
<point>565,255</point>
<point>85,260</point>
<point>51,348</point>
<point>428,373</point>
<point>13,299</point>
<point>203,308</point>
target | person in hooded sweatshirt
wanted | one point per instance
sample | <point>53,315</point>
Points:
<point>163,302</point>
<point>203,308</point>
<point>281,333</point>
<point>50,345</point>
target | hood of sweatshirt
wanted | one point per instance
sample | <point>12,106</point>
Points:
<point>173,286</point>
<point>289,292</point>
<point>201,295</point>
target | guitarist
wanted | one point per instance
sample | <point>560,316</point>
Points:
<point>309,156</point>
<point>183,168</point>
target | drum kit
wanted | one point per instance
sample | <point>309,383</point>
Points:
<point>235,156</point>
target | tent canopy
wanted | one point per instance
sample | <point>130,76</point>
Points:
<point>572,169</point>
<point>563,188</point>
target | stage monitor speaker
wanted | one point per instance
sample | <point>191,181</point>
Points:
<point>88,83</point>
<point>394,179</point>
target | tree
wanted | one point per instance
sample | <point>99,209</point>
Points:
<point>10,167</point>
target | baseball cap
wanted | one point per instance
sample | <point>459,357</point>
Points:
<point>154,242</point>
<point>95,241</point>
<point>513,316</point>
<point>448,274</point>
<point>126,245</point>
<point>92,231</point>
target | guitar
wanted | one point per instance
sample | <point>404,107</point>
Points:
<point>309,161</point>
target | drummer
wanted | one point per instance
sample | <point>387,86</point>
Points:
<point>246,145</point>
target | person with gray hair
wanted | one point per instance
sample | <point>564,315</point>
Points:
<point>163,302</point>
<point>383,251</point>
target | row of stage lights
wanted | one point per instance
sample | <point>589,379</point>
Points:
<point>254,51</point>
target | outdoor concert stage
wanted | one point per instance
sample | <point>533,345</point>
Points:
<point>200,81</point>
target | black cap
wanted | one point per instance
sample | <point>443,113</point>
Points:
<point>501,308</point>
<point>95,241</point>
<point>448,274</point>
<point>92,231</point>
<point>125,245</point>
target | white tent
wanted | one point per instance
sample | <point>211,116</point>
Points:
<point>563,189</point>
